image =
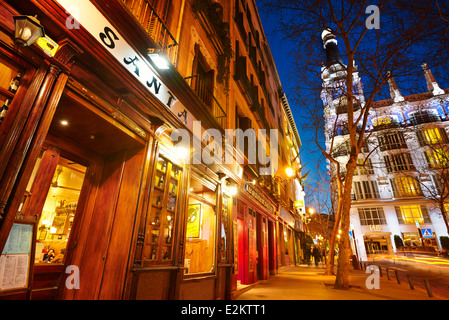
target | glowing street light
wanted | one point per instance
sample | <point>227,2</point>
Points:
<point>290,172</point>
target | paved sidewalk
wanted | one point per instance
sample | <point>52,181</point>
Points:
<point>309,283</point>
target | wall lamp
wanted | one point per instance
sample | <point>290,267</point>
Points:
<point>159,59</point>
<point>181,149</point>
<point>27,30</point>
<point>232,187</point>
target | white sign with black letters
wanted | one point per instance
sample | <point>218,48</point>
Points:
<point>84,13</point>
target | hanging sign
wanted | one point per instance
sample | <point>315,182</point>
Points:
<point>85,14</point>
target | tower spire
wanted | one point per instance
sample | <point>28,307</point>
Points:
<point>330,45</point>
<point>394,90</point>
<point>432,85</point>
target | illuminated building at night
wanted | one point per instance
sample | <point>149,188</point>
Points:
<point>106,203</point>
<point>401,174</point>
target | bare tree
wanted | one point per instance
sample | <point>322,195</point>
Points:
<point>406,34</point>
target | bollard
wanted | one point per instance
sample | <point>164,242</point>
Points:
<point>387,271</point>
<point>397,276</point>
<point>410,282</point>
<point>429,290</point>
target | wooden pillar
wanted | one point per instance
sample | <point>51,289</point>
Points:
<point>29,140</point>
<point>27,149</point>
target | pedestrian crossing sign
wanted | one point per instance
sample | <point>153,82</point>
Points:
<point>427,233</point>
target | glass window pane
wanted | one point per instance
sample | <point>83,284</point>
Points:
<point>200,244</point>
<point>162,213</point>
<point>59,211</point>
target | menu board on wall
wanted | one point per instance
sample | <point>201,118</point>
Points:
<point>15,258</point>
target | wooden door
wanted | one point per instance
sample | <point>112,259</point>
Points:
<point>243,251</point>
<point>56,199</point>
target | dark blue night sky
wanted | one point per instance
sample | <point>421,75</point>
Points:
<point>282,54</point>
<point>281,50</point>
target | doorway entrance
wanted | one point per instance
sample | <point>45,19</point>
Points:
<point>84,190</point>
<point>376,244</point>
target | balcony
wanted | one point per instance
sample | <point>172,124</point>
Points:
<point>209,100</point>
<point>392,141</point>
<point>241,77</point>
<point>240,26</point>
<point>257,108</point>
<point>154,26</point>
<point>424,116</point>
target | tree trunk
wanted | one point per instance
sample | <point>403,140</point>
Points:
<point>331,253</point>
<point>344,252</point>
<point>443,212</point>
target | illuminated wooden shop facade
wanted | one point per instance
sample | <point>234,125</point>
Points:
<point>91,182</point>
<point>88,164</point>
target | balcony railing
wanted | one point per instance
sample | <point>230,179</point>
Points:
<point>154,26</point>
<point>424,116</point>
<point>209,100</point>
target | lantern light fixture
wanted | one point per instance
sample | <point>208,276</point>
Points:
<point>27,30</point>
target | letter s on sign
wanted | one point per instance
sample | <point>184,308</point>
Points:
<point>107,34</point>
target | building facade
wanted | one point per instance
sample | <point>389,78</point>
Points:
<point>119,179</point>
<point>399,185</point>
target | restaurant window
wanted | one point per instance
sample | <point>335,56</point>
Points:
<point>162,212</point>
<point>411,239</point>
<point>412,214</point>
<point>200,227</point>
<point>58,212</point>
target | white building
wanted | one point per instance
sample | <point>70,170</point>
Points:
<point>393,191</point>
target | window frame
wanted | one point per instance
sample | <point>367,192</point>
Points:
<point>423,216</point>
<point>366,221</point>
